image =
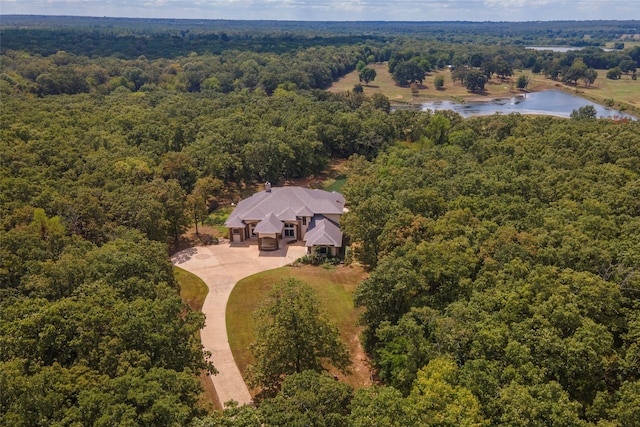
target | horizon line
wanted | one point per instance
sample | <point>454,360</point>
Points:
<point>311,20</point>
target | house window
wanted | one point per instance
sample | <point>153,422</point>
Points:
<point>322,250</point>
<point>236,231</point>
<point>304,220</point>
<point>289,230</point>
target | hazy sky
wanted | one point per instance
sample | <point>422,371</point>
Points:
<point>334,10</point>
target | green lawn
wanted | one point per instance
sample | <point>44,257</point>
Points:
<point>336,184</point>
<point>624,92</point>
<point>193,291</point>
<point>334,287</point>
<point>217,218</point>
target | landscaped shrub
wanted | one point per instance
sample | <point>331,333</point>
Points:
<point>316,259</point>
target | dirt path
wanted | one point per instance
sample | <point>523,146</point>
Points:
<point>220,267</point>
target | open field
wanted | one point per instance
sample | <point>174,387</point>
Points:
<point>624,92</point>
<point>334,287</point>
<point>385,85</point>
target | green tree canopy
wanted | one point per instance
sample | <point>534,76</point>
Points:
<point>584,113</point>
<point>367,75</point>
<point>407,72</point>
<point>522,82</point>
<point>308,398</point>
<point>474,80</point>
<point>438,82</point>
<point>520,267</point>
<point>293,335</point>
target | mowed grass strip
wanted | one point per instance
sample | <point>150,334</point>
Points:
<point>193,290</point>
<point>334,287</point>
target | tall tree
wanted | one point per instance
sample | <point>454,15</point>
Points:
<point>627,66</point>
<point>437,129</point>
<point>575,72</point>
<point>590,75</point>
<point>379,407</point>
<point>367,75</point>
<point>200,198</point>
<point>293,335</point>
<point>522,82</point>
<point>438,82</point>
<point>584,113</point>
<point>408,72</point>
<point>474,80</point>
<point>173,200</point>
<point>502,68</point>
<point>366,225</point>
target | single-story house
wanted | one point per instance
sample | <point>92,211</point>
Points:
<point>290,214</point>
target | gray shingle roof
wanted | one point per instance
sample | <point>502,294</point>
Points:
<point>287,215</point>
<point>323,232</point>
<point>280,200</point>
<point>235,222</point>
<point>271,224</point>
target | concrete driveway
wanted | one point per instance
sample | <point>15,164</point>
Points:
<point>221,267</point>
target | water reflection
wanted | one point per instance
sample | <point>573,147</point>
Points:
<point>550,103</point>
<point>563,48</point>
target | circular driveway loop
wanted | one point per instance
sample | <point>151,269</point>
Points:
<point>220,267</point>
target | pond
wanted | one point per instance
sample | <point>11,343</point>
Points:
<point>550,103</point>
<point>561,48</point>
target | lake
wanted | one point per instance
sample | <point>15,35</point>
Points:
<point>549,103</point>
<point>561,48</point>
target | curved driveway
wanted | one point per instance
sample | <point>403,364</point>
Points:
<point>221,267</point>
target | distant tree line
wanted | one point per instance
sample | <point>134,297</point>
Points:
<point>474,67</point>
<point>265,66</point>
<point>134,37</point>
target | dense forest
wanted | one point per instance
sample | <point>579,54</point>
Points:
<point>504,251</point>
<point>212,34</point>
<point>510,246</point>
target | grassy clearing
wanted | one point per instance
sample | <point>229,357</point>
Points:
<point>336,184</point>
<point>334,287</point>
<point>625,92</point>
<point>220,215</point>
<point>217,218</point>
<point>385,85</point>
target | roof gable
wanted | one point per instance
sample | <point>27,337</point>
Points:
<point>287,202</point>
<point>287,215</point>
<point>323,232</point>
<point>271,224</point>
